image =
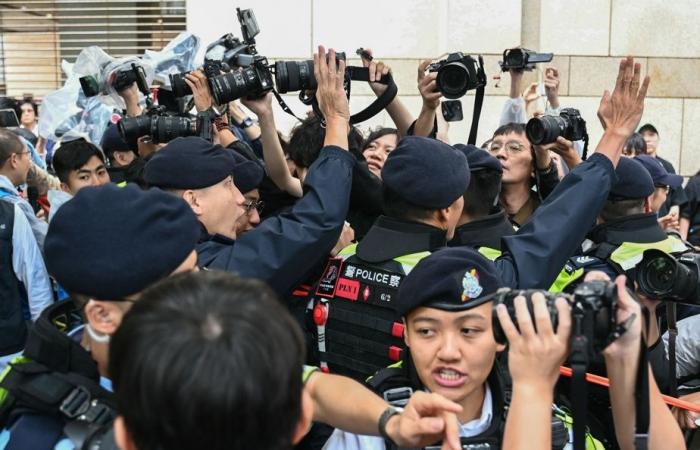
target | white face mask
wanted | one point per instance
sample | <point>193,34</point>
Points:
<point>95,336</point>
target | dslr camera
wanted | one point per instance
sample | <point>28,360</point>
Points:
<point>593,306</point>
<point>160,125</point>
<point>546,129</point>
<point>665,277</point>
<point>233,67</point>
<point>522,59</point>
<point>120,79</point>
<point>457,74</point>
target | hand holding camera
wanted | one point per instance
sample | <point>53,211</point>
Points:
<point>197,82</point>
<point>551,86</point>
<point>330,94</point>
<point>427,86</point>
<point>377,69</point>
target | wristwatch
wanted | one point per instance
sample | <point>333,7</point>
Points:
<point>384,419</point>
<point>247,122</point>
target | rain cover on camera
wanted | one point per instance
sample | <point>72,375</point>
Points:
<point>180,55</point>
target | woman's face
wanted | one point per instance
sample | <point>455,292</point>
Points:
<point>377,152</point>
<point>28,116</point>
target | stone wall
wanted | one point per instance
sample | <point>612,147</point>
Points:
<point>588,39</point>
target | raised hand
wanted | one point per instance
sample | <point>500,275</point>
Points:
<point>622,110</point>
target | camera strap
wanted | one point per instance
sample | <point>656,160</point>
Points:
<point>672,335</point>
<point>478,103</point>
<point>579,390</point>
<point>641,400</point>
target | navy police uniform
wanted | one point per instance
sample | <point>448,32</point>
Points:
<point>282,249</point>
<point>127,239</point>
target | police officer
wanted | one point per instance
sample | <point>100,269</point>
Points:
<point>127,239</point>
<point>283,249</point>
<point>483,222</point>
<point>125,164</point>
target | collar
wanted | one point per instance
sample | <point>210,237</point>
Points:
<point>390,238</point>
<point>484,232</point>
<point>6,185</point>
<point>640,228</point>
<point>481,424</point>
<point>50,345</point>
<point>526,210</point>
<point>204,236</point>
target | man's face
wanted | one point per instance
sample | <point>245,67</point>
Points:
<point>219,207</point>
<point>93,173</point>
<point>513,151</point>
<point>23,162</point>
<point>251,218</point>
<point>652,140</point>
<point>453,352</point>
<point>658,198</point>
<point>377,152</point>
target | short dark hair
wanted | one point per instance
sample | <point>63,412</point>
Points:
<point>9,143</point>
<point>208,360</point>
<point>306,141</point>
<point>617,209</point>
<point>636,144</point>
<point>378,133</point>
<point>72,156</point>
<point>481,195</point>
<point>397,207</point>
<point>10,103</point>
<point>517,128</point>
<point>27,101</point>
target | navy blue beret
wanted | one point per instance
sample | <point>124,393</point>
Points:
<point>247,175</point>
<point>451,279</point>
<point>633,181</point>
<point>426,172</point>
<point>478,158</point>
<point>112,142</point>
<point>109,242</point>
<point>189,163</point>
<point>658,172</point>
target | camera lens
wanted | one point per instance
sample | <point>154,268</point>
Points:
<point>545,129</point>
<point>234,85</point>
<point>291,76</point>
<point>165,129</point>
<point>514,58</point>
<point>178,85</point>
<point>453,80</point>
<point>132,128</point>
<point>660,276</point>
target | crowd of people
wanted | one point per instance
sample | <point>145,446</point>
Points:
<point>339,289</point>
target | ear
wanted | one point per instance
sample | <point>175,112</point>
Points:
<point>442,216</point>
<point>500,347</point>
<point>192,198</point>
<point>103,317</point>
<point>65,188</point>
<point>647,203</point>
<point>405,332</point>
<point>305,418</point>
<point>122,435</point>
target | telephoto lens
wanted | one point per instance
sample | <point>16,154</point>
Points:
<point>545,129</point>
<point>132,128</point>
<point>660,276</point>
<point>236,84</point>
<point>292,76</point>
<point>166,128</point>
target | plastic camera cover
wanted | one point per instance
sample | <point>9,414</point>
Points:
<point>180,55</point>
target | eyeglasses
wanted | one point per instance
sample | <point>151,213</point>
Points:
<point>259,205</point>
<point>511,147</point>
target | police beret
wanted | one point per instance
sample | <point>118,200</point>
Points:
<point>112,142</point>
<point>478,158</point>
<point>247,175</point>
<point>189,163</point>
<point>109,242</point>
<point>451,279</point>
<point>633,181</point>
<point>658,172</point>
<point>426,172</point>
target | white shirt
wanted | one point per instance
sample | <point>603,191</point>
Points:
<point>343,440</point>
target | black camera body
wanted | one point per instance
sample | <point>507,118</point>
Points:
<point>593,307</point>
<point>293,76</point>
<point>522,59</point>
<point>665,277</point>
<point>457,74</point>
<point>119,79</point>
<point>546,129</point>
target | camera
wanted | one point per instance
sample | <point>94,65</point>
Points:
<point>120,79</point>
<point>522,59</point>
<point>292,76</point>
<point>593,304</point>
<point>233,67</point>
<point>661,276</point>
<point>157,124</point>
<point>546,129</point>
<point>457,74</point>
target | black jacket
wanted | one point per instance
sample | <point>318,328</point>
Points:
<point>283,249</point>
<point>485,232</point>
